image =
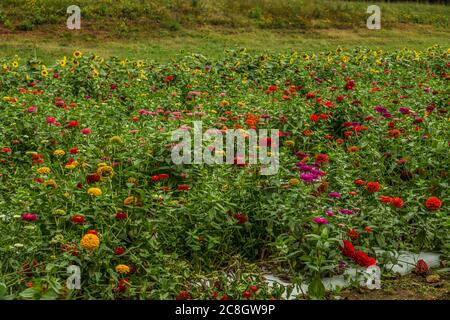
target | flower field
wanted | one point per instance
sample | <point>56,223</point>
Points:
<point>87,179</point>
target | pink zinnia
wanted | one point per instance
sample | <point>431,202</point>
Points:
<point>86,131</point>
<point>29,216</point>
<point>320,220</point>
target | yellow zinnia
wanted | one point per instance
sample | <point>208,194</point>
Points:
<point>90,242</point>
<point>44,170</point>
<point>130,201</point>
<point>105,171</point>
<point>59,153</point>
<point>95,192</point>
<point>51,183</point>
<point>116,139</point>
<point>289,143</point>
<point>122,268</point>
<point>44,72</point>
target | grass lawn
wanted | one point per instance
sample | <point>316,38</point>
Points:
<point>163,46</point>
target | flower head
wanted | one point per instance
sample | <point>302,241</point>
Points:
<point>433,203</point>
<point>90,241</point>
<point>94,192</point>
<point>29,216</point>
<point>122,269</point>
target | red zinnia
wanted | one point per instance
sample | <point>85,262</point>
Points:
<point>119,251</point>
<point>73,124</point>
<point>373,186</point>
<point>183,187</point>
<point>421,267</point>
<point>121,216</point>
<point>91,178</point>
<point>433,203</point>
<point>353,234</point>
<point>183,295</point>
<point>322,158</point>
<point>348,249</point>
<point>78,219</point>
<point>397,202</point>
<point>364,260</point>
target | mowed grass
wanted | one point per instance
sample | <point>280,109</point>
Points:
<point>211,42</point>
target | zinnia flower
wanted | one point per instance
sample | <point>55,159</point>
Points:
<point>373,186</point>
<point>94,192</point>
<point>119,251</point>
<point>90,241</point>
<point>353,234</point>
<point>130,201</point>
<point>59,153</point>
<point>334,194</point>
<point>121,216</point>
<point>43,170</point>
<point>122,269</point>
<point>78,219</point>
<point>29,216</point>
<point>183,187</point>
<point>320,220</point>
<point>397,202</point>
<point>348,249</point>
<point>433,203</point>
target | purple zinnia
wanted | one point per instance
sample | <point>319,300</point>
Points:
<point>334,194</point>
<point>308,177</point>
<point>346,211</point>
<point>404,110</point>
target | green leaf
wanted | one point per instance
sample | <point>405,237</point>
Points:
<point>316,289</point>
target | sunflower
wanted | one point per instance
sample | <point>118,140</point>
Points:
<point>95,73</point>
<point>15,64</point>
<point>140,63</point>
<point>339,50</point>
<point>63,62</point>
<point>77,54</point>
<point>345,59</point>
<point>44,72</point>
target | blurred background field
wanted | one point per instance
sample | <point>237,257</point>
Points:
<point>163,29</point>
